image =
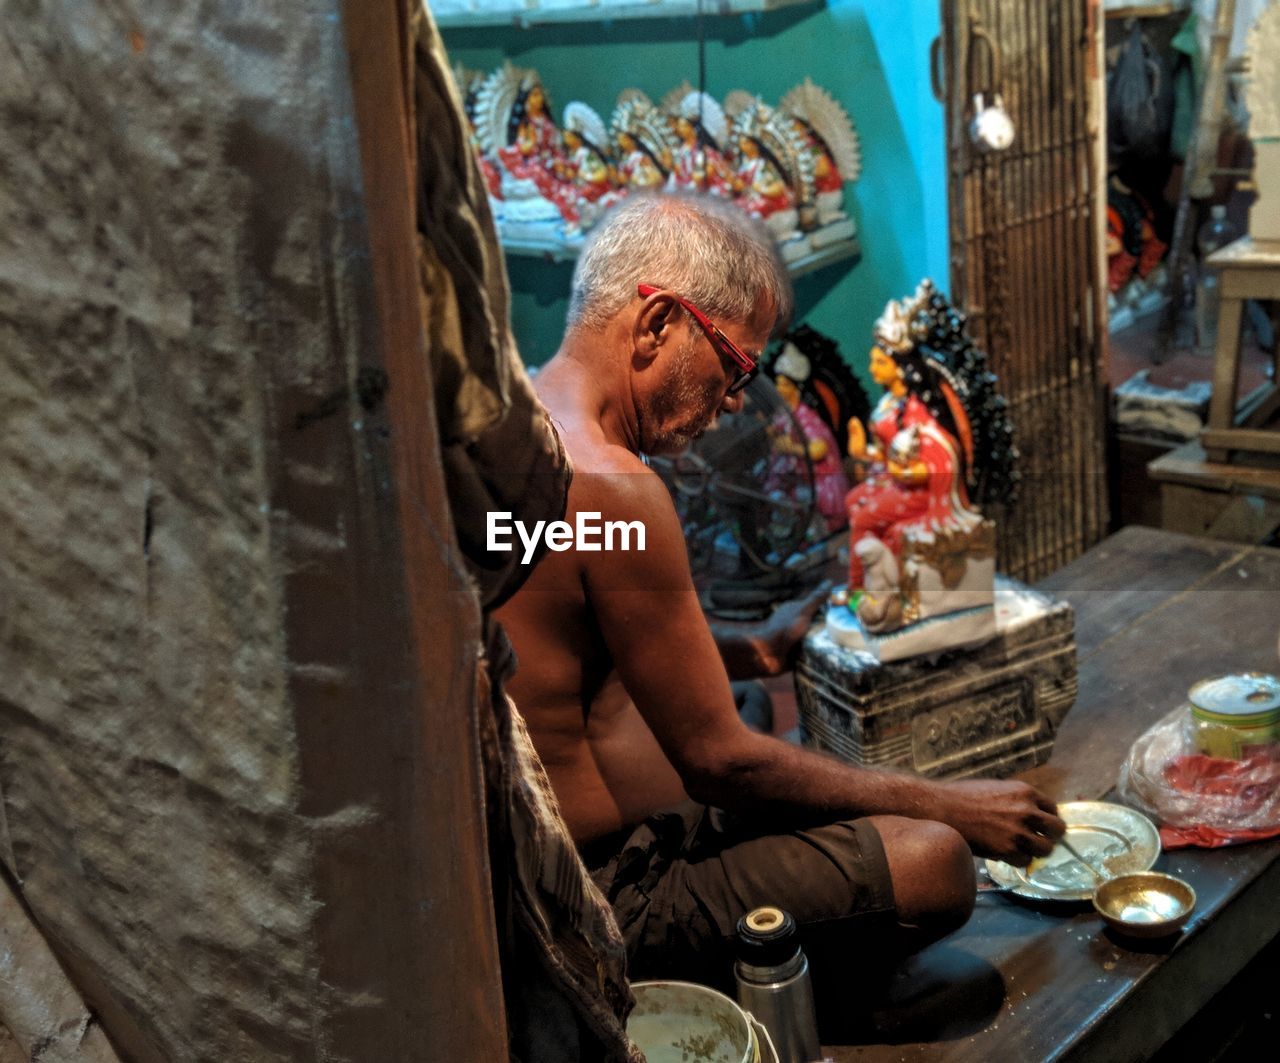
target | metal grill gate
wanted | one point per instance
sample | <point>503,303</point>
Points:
<point>1025,236</point>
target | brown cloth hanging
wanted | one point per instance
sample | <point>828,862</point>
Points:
<point>562,955</point>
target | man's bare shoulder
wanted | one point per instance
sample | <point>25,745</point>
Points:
<point>594,455</point>
<point>619,484</point>
<point>607,474</point>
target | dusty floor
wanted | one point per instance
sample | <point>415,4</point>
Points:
<point>1134,348</point>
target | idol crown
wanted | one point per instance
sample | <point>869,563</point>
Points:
<point>903,323</point>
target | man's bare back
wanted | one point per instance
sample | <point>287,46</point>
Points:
<point>604,762</point>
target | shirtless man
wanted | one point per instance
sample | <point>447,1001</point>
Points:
<point>625,693</point>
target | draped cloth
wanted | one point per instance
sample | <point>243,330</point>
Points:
<point>563,959</point>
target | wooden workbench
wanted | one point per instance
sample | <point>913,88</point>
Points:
<point>1155,611</point>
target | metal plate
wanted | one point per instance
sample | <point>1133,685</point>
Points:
<point>1115,839</point>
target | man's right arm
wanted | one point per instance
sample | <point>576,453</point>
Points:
<point>652,622</point>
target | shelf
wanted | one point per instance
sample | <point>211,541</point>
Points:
<point>555,251</point>
<point>547,250</point>
<point>828,256</point>
<point>1156,9</point>
<point>450,15</point>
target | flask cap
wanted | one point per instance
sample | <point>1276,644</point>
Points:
<point>767,937</point>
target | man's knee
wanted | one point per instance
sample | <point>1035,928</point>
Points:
<point>932,871</point>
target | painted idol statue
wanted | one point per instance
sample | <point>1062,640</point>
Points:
<point>820,393</point>
<point>588,165</point>
<point>936,446</point>
<point>514,126</point>
<point>828,134</point>
<point>701,132</point>
<point>644,142</point>
<point>774,171</point>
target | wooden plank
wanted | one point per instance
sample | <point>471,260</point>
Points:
<point>390,631</point>
<point>1235,922</point>
<point>1262,440</point>
<point>1236,503</point>
<point>1149,10</point>
<point>1245,254</point>
<point>1188,466</point>
<point>1251,284</point>
<point>1022,982</point>
<point>1192,511</point>
<point>1126,576</point>
<point>1245,519</point>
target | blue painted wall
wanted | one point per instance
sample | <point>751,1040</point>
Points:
<point>872,55</point>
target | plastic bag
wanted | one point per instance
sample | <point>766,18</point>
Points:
<point>1139,100</point>
<point>1197,799</point>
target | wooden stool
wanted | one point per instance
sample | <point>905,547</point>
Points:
<point>1246,271</point>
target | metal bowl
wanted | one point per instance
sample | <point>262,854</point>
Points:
<point>1147,904</point>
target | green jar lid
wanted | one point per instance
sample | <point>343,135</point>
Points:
<point>1249,699</point>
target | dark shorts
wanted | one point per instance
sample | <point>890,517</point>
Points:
<point>679,882</point>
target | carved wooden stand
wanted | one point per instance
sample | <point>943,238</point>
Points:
<point>993,709</point>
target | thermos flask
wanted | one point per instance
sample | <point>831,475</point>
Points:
<point>773,983</point>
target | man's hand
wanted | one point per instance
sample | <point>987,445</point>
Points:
<point>788,624</point>
<point>753,651</point>
<point>1009,821</point>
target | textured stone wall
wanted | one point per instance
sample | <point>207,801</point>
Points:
<point>179,231</point>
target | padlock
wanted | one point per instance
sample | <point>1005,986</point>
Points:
<point>991,128</point>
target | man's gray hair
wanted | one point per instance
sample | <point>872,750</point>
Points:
<point>705,249</point>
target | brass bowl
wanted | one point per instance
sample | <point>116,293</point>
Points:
<point>1147,904</point>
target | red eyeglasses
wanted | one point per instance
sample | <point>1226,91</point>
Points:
<point>745,366</point>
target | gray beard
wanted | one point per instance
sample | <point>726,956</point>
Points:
<point>682,394</point>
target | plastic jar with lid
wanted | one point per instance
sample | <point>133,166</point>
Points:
<point>1233,715</point>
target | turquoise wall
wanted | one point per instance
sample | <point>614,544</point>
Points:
<point>872,56</point>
